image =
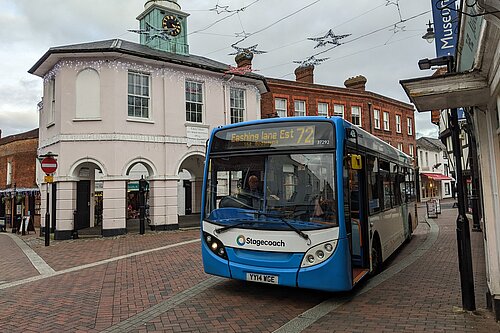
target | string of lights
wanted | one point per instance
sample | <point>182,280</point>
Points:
<point>395,28</point>
<point>304,39</point>
<point>225,17</point>
<point>375,31</point>
<point>350,54</point>
<point>244,35</point>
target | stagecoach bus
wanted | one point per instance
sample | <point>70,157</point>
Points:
<point>309,202</point>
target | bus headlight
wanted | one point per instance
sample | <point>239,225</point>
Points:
<point>215,245</point>
<point>319,253</point>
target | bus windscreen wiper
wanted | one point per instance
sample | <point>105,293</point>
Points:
<point>222,229</point>
<point>281,218</point>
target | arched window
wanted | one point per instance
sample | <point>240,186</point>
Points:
<point>88,95</point>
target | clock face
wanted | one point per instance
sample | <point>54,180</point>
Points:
<point>172,25</point>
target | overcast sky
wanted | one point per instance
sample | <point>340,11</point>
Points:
<point>379,47</point>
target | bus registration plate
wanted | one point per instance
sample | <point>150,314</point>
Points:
<point>263,278</point>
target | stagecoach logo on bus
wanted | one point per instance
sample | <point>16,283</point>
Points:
<point>242,240</point>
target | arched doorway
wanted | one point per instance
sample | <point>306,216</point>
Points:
<point>185,193</point>
<point>189,187</point>
<point>89,197</point>
<point>135,172</point>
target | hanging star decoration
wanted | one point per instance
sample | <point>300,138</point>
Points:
<point>397,28</point>
<point>225,9</point>
<point>240,70</point>
<point>251,49</point>
<point>151,32</point>
<point>244,35</point>
<point>329,38</point>
<point>311,61</point>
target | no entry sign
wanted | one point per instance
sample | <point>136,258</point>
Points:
<point>49,165</point>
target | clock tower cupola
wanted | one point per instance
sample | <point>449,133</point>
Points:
<point>163,26</point>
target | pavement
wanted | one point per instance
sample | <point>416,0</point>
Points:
<point>155,283</point>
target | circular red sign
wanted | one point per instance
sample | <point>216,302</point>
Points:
<point>49,165</point>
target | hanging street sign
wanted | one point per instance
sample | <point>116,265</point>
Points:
<point>49,165</point>
<point>48,179</point>
<point>445,17</point>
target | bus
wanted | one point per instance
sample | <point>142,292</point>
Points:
<point>331,204</point>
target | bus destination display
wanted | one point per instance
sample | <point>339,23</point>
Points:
<point>277,136</point>
<point>289,136</point>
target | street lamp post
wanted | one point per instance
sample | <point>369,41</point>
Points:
<point>429,35</point>
<point>463,232</point>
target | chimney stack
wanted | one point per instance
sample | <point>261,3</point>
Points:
<point>305,74</point>
<point>244,59</point>
<point>356,82</point>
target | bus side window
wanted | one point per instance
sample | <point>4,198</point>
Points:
<point>374,184</point>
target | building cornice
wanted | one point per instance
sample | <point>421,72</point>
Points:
<point>120,137</point>
<point>317,88</point>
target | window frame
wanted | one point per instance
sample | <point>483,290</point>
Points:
<point>386,121</point>
<point>9,173</point>
<point>139,96</point>
<point>233,109</point>
<point>189,119</point>
<point>359,108</point>
<point>327,108</point>
<point>409,122</point>
<point>298,102</point>
<point>51,116</point>
<point>376,118</point>
<point>343,109</point>
<point>398,123</point>
<point>278,110</point>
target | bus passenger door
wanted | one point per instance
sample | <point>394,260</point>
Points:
<point>354,192</point>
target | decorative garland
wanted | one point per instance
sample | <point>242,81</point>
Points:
<point>163,72</point>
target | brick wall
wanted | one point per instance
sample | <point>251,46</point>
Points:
<point>21,151</point>
<point>314,93</point>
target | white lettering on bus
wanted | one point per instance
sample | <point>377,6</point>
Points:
<point>259,242</point>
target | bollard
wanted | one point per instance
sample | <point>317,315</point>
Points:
<point>74,233</point>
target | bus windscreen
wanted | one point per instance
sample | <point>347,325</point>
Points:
<point>283,135</point>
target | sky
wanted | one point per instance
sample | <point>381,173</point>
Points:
<point>384,42</point>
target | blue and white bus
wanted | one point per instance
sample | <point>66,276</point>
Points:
<point>330,204</point>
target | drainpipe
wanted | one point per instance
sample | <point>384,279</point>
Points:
<point>370,116</point>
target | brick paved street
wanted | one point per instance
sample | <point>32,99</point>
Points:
<point>156,283</point>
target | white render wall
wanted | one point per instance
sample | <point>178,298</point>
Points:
<point>428,168</point>
<point>114,142</point>
<point>489,160</point>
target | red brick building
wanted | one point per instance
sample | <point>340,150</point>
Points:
<point>389,119</point>
<point>19,193</point>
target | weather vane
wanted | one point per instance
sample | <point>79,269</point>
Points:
<point>329,38</point>
<point>311,61</point>
<point>151,32</point>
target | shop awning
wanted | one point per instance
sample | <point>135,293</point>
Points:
<point>436,176</point>
<point>20,190</point>
<point>446,91</point>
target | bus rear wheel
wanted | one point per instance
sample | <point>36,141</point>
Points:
<point>376,255</point>
<point>410,230</point>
